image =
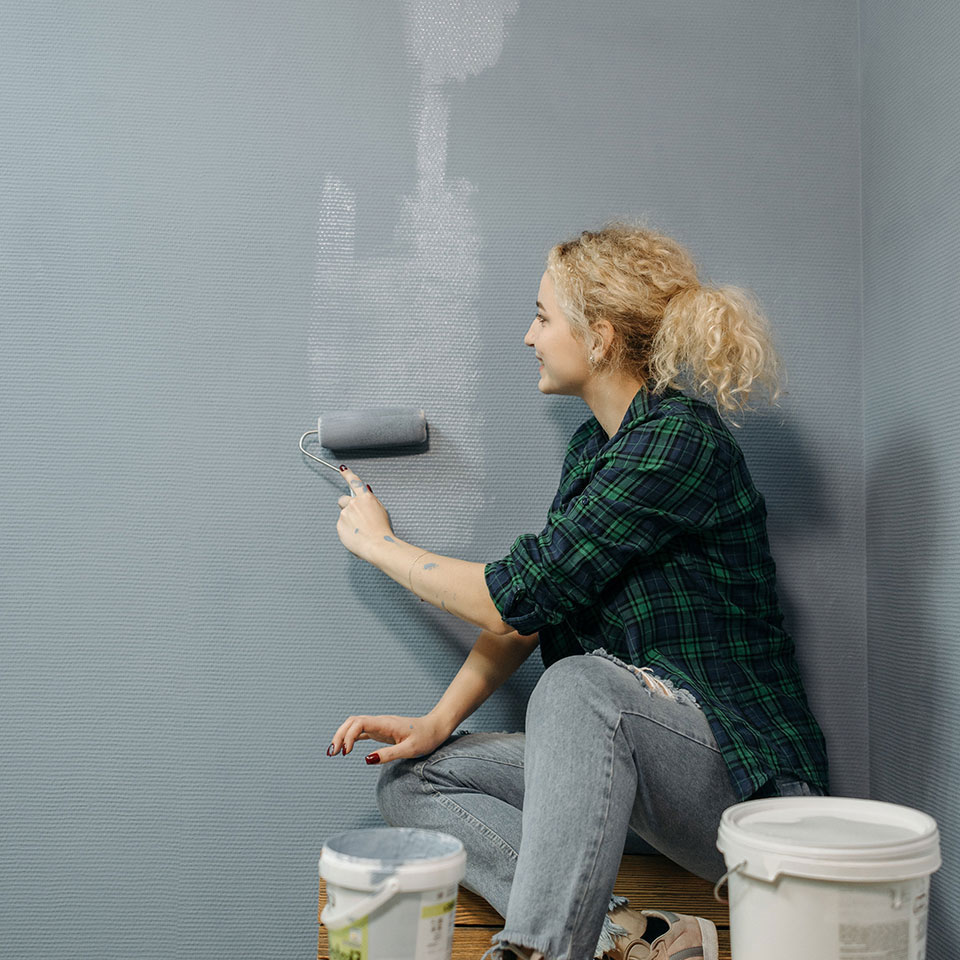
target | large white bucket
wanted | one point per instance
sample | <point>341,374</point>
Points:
<point>391,893</point>
<point>827,878</point>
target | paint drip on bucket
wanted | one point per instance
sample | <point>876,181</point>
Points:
<point>391,892</point>
<point>835,878</point>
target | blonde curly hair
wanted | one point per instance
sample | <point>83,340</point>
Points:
<point>668,329</point>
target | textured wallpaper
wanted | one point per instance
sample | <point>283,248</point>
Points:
<point>220,219</point>
<point>911,283</point>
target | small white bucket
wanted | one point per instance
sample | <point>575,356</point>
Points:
<point>831,878</point>
<point>391,893</point>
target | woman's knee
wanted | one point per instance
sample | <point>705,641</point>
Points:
<point>568,680</point>
<point>396,783</point>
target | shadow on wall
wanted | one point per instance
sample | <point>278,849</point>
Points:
<point>912,574</point>
<point>817,544</point>
<point>787,471</point>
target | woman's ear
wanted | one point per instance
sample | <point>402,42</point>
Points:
<point>604,338</point>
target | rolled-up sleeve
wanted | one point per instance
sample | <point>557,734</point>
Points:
<point>656,484</point>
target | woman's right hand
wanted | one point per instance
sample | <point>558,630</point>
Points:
<point>412,736</point>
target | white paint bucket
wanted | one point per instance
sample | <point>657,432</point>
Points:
<point>831,878</point>
<point>391,893</point>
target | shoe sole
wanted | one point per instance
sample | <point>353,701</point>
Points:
<point>708,933</point>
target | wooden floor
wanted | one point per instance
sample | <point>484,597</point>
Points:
<point>650,882</point>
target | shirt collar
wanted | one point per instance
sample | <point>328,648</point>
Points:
<point>639,410</point>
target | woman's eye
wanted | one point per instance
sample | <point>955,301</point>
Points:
<point>541,319</point>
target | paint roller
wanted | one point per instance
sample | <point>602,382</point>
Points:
<point>368,428</point>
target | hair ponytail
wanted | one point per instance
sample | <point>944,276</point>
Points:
<point>667,328</point>
<point>719,338</point>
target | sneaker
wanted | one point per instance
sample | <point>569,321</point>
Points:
<point>628,927</point>
<point>628,949</point>
<point>686,938</point>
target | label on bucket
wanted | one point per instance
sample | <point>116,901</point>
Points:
<point>802,919</point>
<point>349,943</point>
<point>435,931</point>
<point>865,934</point>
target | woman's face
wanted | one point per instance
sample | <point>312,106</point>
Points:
<point>564,367</point>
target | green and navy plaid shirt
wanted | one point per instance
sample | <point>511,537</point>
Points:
<point>656,549</point>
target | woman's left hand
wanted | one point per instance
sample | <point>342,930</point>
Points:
<point>363,519</point>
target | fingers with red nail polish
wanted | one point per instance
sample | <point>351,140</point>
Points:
<point>332,751</point>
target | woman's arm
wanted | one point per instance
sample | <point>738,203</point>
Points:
<point>493,659</point>
<point>457,586</point>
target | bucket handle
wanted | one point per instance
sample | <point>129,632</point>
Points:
<point>345,918</point>
<point>723,880</point>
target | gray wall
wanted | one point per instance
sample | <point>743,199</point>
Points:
<point>218,220</point>
<point>911,288</point>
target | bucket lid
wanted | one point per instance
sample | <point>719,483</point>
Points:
<point>420,859</point>
<point>828,838</point>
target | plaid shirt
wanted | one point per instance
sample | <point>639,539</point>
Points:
<point>656,549</point>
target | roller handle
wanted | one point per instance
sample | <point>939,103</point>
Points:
<point>324,462</point>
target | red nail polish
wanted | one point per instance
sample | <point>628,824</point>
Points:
<point>343,467</point>
<point>373,758</point>
<point>369,488</point>
<point>330,750</point>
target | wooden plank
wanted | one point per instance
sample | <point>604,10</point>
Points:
<point>658,883</point>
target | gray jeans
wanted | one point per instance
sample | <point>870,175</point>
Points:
<point>612,762</point>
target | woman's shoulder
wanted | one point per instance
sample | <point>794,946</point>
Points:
<point>676,426</point>
<point>671,417</point>
<point>677,410</point>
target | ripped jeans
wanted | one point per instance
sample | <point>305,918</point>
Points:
<point>614,760</point>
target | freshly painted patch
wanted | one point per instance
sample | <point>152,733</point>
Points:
<point>426,277</point>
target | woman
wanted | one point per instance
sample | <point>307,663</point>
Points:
<point>671,690</point>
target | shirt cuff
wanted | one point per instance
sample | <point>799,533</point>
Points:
<point>511,599</point>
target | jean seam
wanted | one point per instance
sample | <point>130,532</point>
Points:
<point>609,792</point>
<point>483,828</point>
<point>667,726</point>
<point>464,756</point>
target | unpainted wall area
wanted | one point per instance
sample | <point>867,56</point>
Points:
<point>220,218</point>
<point>911,214</point>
